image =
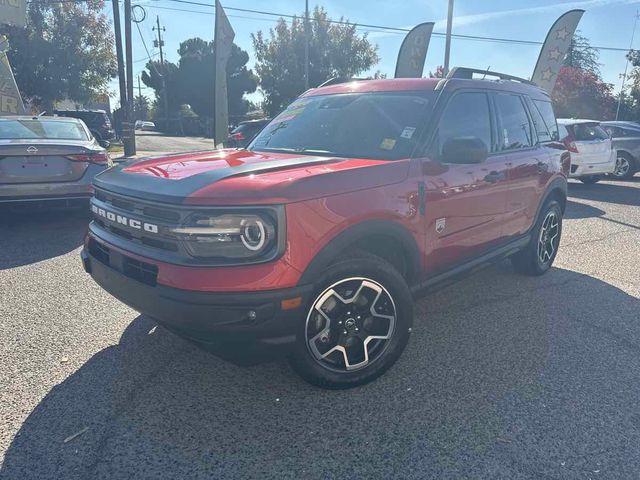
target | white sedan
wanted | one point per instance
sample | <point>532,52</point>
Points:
<point>591,148</point>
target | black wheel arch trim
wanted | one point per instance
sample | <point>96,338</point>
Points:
<point>357,232</point>
<point>557,184</point>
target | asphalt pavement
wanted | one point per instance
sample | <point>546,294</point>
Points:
<point>505,376</point>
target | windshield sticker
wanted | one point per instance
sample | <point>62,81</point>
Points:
<point>408,132</point>
<point>388,144</point>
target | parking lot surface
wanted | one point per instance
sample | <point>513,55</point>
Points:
<point>505,376</point>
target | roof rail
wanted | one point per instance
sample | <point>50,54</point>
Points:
<point>465,72</point>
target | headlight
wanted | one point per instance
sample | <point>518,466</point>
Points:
<point>228,236</point>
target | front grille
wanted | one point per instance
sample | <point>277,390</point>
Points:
<point>165,218</point>
<point>99,251</point>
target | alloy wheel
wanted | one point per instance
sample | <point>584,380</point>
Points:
<point>622,166</point>
<point>350,324</point>
<point>549,238</point>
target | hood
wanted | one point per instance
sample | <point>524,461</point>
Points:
<point>237,177</point>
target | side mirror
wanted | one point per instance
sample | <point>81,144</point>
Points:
<point>464,150</point>
<point>104,143</point>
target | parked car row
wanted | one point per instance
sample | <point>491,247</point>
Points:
<point>601,148</point>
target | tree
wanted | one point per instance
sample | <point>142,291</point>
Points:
<point>630,105</point>
<point>439,73</point>
<point>581,94</point>
<point>141,107</point>
<point>582,55</point>
<point>335,50</point>
<point>191,81</point>
<point>65,52</point>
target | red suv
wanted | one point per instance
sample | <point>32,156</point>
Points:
<point>315,239</point>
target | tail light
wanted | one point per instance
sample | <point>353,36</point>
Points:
<point>237,136</point>
<point>570,143</point>
<point>99,158</point>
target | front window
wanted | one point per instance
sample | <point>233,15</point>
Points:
<point>32,129</point>
<point>358,125</point>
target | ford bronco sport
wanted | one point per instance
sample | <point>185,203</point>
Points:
<point>315,238</point>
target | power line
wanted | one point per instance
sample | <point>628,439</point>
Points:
<point>360,26</point>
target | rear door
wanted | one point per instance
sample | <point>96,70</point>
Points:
<point>465,202</point>
<point>591,141</point>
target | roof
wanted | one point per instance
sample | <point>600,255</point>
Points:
<point>41,117</point>
<point>427,84</point>
<point>621,123</point>
<point>574,121</point>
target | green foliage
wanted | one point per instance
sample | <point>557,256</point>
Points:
<point>335,50</point>
<point>191,81</point>
<point>65,52</point>
<point>141,107</point>
<point>630,105</point>
<point>582,55</point>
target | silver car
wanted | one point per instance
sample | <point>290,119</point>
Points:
<point>626,141</point>
<point>47,159</point>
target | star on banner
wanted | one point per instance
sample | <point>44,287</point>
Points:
<point>562,34</point>
<point>555,54</point>
<point>547,74</point>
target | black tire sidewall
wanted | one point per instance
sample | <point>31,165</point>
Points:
<point>632,167</point>
<point>374,268</point>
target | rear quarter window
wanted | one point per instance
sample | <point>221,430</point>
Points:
<point>545,110</point>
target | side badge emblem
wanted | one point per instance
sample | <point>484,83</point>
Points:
<point>440,224</point>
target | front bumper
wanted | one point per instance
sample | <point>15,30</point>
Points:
<point>246,327</point>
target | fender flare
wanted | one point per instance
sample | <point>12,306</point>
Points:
<point>557,184</point>
<point>359,231</point>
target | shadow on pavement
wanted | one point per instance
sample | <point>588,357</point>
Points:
<point>620,192</point>
<point>506,376</point>
<point>576,210</point>
<point>29,236</point>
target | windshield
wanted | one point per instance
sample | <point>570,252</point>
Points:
<point>41,129</point>
<point>359,125</point>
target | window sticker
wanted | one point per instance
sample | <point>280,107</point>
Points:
<point>388,144</point>
<point>408,132</point>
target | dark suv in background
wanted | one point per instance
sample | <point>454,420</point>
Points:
<point>626,142</point>
<point>245,132</point>
<point>97,121</point>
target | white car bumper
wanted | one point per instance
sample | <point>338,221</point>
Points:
<point>580,169</point>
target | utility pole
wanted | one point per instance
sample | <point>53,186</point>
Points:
<point>139,87</point>
<point>160,43</point>
<point>306,45</point>
<point>127,127</point>
<point>626,67</point>
<point>121,78</point>
<point>447,45</point>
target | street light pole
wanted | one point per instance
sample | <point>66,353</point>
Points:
<point>447,45</point>
<point>306,44</point>
<point>127,128</point>
<point>626,67</point>
<point>165,99</point>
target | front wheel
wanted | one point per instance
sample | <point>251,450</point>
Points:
<point>357,323</point>
<point>538,256</point>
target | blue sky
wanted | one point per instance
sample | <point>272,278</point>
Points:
<point>607,23</point>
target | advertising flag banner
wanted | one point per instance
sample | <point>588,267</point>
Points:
<point>13,12</point>
<point>10,99</point>
<point>413,51</point>
<point>223,41</point>
<point>555,48</point>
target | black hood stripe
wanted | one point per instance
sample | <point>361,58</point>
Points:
<point>150,187</point>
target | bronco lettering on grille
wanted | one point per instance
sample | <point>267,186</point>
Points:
<point>129,222</point>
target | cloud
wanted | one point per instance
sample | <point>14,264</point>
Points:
<point>464,20</point>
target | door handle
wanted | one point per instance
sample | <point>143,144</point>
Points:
<point>493,177</point>
<point>542,167</point>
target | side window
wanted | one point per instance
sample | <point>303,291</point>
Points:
<point>515,127</point>
<point>629,132</point>
<point>466,115</point>
<point>546,111</point>
<point>539,124</point>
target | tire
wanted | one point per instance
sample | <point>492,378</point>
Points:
<point>590,179</point>
<point>335,345</point>
<point>535,259</point>
<point>625,167</point>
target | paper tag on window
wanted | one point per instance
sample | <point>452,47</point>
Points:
<point>408,132</point>
<point>388,144</point>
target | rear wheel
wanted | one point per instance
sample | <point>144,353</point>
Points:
<point>542,249</point>
<point>625,167</point>
<point>590,179</point>
<point>357,324</point>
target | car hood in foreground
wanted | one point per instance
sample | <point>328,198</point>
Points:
<point>237,177</point>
